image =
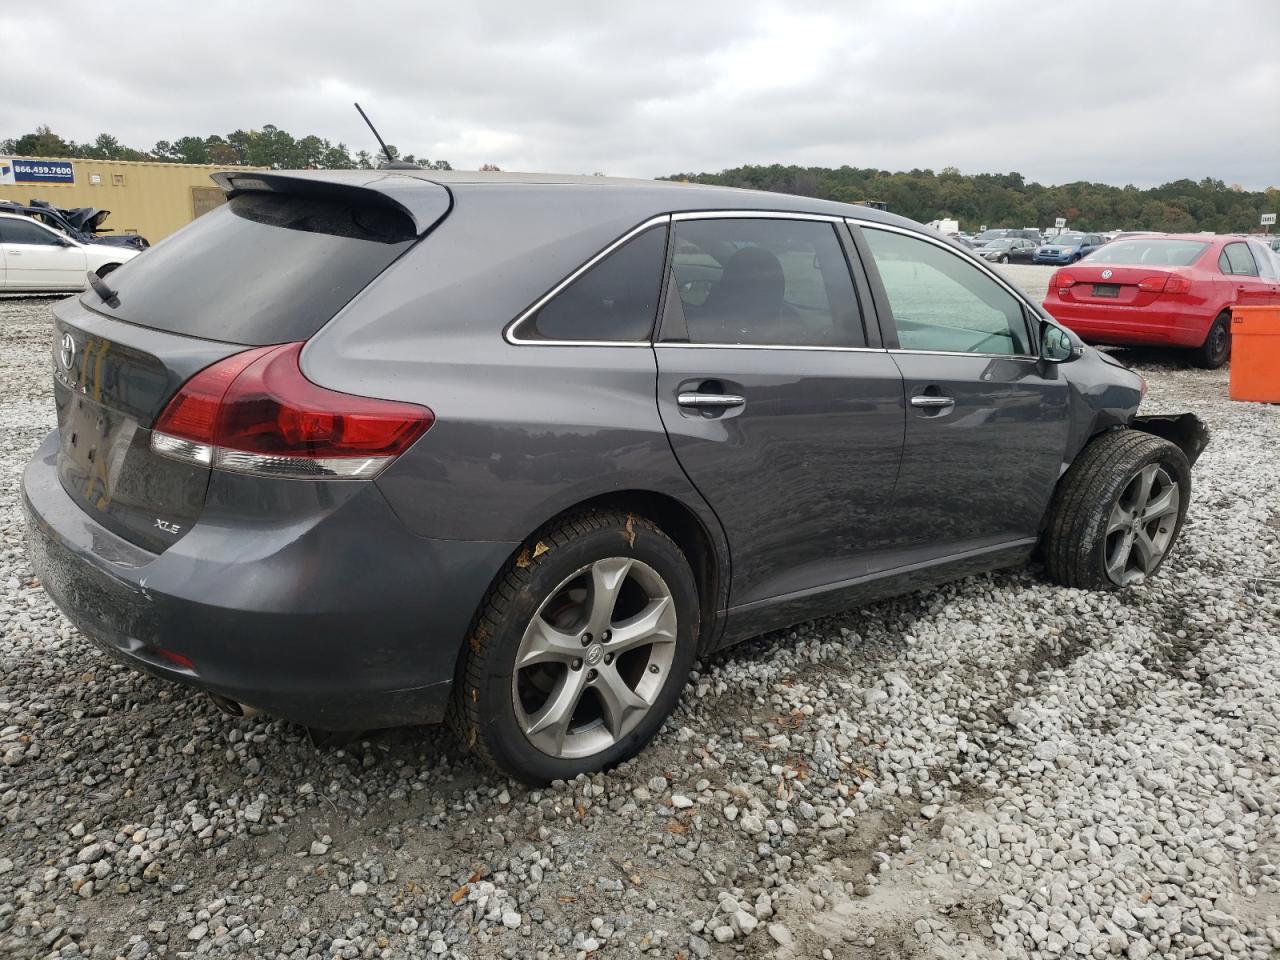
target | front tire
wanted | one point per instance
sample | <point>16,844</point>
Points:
<point>580,650</point>
<point>1215,350</point>
<point>1117,512</point>
<point>1004,259</point>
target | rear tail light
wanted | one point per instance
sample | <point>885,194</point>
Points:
<point>1062,279</point>
<point>1165,283</point>
<point>256,413</point>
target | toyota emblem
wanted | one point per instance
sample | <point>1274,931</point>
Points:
<point>1106,274</point>
<point>67,351</point>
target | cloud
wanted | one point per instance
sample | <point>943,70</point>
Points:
<point>1120,92</point>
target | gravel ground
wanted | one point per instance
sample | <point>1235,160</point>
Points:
<point>999,768</point>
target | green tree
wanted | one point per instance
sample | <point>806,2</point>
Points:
<point>42,143</point>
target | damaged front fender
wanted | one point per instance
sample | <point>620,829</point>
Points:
<point>1184,430</point>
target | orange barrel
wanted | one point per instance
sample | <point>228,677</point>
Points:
<point>1255,354</point>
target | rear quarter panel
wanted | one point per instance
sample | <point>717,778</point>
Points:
<point>522,431</point>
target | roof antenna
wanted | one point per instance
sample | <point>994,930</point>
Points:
<point>391,163</point>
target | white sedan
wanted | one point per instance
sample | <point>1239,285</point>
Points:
<point>38,259</point>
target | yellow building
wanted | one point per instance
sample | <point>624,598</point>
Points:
<point>149,198</point>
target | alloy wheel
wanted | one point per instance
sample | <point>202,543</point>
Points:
<point>1219,338</point>
<point>1142,525</point>
<point>594,657</point>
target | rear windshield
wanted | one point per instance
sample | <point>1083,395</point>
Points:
<point>1152,252</point>
<point>263,268</point>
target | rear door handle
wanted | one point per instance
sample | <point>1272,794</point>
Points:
<point>932,402</point>
<point>710,401</point>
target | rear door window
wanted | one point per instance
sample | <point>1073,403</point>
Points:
<point>263,268</point>
<point>1238,260</point>
<point>615,300</point>
<point>765,282</point>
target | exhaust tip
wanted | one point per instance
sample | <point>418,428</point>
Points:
<point>232,708</point>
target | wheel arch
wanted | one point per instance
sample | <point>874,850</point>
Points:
<point>1185,431</point>
<point>705,548</point>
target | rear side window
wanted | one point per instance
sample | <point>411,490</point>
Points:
<point>765,282</point>
<point>263,268</point>
<point>22,231</point>
<point>1236,259</point>
<point>615,300</point>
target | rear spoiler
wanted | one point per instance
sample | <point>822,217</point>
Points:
<point>425,203</point>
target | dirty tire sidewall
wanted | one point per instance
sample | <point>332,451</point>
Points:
<point>484,713</point>
<point>1216,349</point>
<point>1075,541</point>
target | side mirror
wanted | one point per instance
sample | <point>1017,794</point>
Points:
<point>1057,345</point>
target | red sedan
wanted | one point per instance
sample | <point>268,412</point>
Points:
<point>1173,290</point>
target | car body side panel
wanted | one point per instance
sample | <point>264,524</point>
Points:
<point>742,622</point>
<point>1103,395</point>
<point>800,473</point>
<point>985,468</point>
<point>523,431</point>
<point>569,424</point>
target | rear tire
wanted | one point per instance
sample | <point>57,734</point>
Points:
<point>1117,512</point>
<point>1216,349</point>
<point>580,650</point>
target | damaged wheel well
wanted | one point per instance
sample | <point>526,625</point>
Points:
<point>1184,430</point>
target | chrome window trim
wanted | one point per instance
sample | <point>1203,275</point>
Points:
<point>510,333</point>
<point>665,344</point>
<point>754,215</point>
<point>982,265</point>
<point>1026,357</point>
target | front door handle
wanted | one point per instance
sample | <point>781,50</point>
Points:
<point>710,401</point>
<point>932,402</point>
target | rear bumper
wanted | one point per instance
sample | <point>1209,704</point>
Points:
<point>314,604</point>
<point>1154,325</point>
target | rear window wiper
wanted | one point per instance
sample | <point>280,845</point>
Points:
<point>100,287</point>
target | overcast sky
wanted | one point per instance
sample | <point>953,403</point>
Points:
<point>1122,91</point>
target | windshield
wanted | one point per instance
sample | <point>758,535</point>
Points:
<point>1068,239</point>
<point>999,244</point>
<point>987,235</point>
<point>1149,252</point>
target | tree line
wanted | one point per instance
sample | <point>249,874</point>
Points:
<point>1007,200</point>
<point>268,147</point>
<point>994,199</point>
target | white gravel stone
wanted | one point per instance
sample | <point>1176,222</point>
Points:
<point>1030,772</point>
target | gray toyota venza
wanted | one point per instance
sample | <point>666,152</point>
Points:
<point>363,449</point>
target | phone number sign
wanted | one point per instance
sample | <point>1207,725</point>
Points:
<point>36,171</point>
